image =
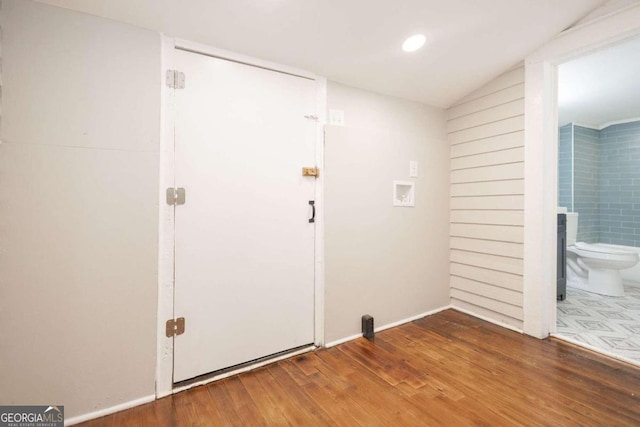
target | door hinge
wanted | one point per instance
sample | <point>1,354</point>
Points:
<point>314,171</point>
<point>175,79</point>
<point>175,327</point>
<point>176,196</point>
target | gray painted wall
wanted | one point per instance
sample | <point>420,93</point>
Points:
<point>79,209</point>
<point>389,262</point>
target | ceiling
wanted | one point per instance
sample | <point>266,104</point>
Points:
<point>602,87</point>
<point>358,42</point>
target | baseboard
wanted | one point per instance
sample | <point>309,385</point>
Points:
<point>388,325</point>
<point>412,318</point>
<point>108,411</point>
<point>486,319</point>
<point>342,340</point>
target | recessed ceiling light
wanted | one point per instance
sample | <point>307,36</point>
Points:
<point>413,43</point>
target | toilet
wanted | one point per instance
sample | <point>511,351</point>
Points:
<point>595,268</point>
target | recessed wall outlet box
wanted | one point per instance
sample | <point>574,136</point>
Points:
<point>404,193</point>
<point>336,117</point>
<point>413,169</point>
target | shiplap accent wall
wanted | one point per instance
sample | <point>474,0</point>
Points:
<point>486,135</point>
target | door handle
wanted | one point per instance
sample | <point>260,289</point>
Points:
<point>312,203</point>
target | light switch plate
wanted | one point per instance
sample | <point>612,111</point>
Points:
<point>413,169</point>
<point>336,117</point>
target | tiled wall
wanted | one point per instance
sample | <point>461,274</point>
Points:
<point>620,184</point>
<point>606,181</point>
<point>586,182</point>
<point>565,166</point>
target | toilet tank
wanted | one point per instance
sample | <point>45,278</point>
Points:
<point>572,228</point>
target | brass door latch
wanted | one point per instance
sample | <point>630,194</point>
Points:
<point>314,171</point>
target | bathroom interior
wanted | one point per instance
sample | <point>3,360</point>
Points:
<point>599,192</point>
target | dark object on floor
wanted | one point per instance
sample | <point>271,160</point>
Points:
<point>367,327</point>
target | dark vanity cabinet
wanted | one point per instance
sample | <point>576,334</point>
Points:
<point>562,257</point>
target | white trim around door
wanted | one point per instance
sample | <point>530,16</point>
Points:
<point>166,282</point>
<point>541,156</point>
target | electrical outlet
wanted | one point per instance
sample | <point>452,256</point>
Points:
<point>336,117</point>
<point>413,169</point>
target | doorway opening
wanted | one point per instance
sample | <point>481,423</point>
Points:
<point>541,154</point>
<point>599,192</point>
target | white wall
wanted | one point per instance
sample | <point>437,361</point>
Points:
<point>79,209</point>
<point>486,133</point>
<point>389,262</point>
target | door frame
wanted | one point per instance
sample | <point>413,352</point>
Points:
<point>541,156</point>
<point>166,270</point>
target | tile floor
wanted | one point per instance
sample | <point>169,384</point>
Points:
<point>611,324</point>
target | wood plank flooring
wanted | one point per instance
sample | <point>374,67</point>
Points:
<point>447,369</point>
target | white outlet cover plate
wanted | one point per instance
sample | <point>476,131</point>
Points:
<point>413,169</point>
<point>336,117</point>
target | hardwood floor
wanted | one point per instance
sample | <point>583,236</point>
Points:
<point>447,369</point>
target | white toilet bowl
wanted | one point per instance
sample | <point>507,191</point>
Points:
<point>596,268</point>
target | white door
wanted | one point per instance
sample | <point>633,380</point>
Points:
<point>244,248</point>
